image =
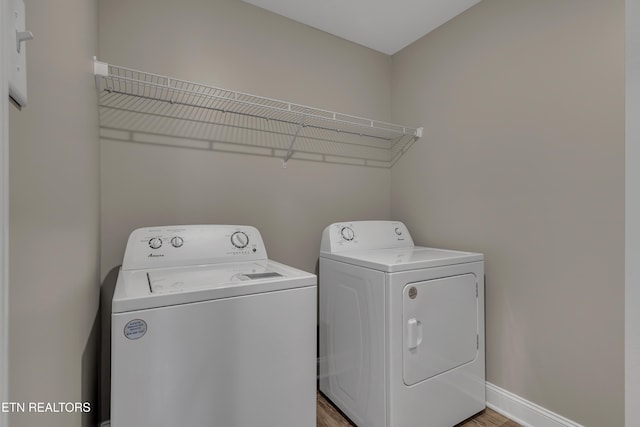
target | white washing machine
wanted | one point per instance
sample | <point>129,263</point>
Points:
<point>207,331</point>
<point>401,327</point>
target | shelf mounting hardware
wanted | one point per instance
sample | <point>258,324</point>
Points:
<point>22,36</point>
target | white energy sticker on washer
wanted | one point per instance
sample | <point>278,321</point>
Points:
<point>135,329</point>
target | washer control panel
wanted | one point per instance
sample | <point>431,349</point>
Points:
<point>343,236</point>
<point>182,245</point>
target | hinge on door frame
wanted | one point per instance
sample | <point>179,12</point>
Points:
<point>476,289</point>
<point>477,341</point>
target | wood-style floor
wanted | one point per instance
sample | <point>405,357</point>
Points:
<point>329,416</point>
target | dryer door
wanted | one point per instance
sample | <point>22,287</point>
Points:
<point>440,326</point>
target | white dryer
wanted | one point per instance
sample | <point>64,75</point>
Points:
<point>207,331</point>
<point>401,340</point>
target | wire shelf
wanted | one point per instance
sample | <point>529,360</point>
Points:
<point>138,101</point>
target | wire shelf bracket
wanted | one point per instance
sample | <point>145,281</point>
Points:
<point>293,140</point>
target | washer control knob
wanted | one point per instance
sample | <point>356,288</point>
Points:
<point>398,231</point>
<point>155,242</point>
<point>347,233</point>
<point>239,239</point>
<point>177,241</point>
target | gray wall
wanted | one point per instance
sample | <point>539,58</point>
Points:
<point>233,45</point>
<point>55,216</point>
<point>523,159</point>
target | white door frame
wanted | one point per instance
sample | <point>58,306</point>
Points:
<point>4,212</point>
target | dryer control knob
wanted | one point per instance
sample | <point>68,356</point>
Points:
<point>398,231</point>
<point>347,233</point>
<point>177,241</point>
<point>155,242</point>
<point>239,239</point>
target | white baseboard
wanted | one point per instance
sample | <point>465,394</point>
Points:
<point>522,411</point>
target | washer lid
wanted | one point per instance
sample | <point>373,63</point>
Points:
<point>145,289</point>
<point>402,259</point>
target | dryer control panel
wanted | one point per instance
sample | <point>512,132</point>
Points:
<point>182,245</point>
<point>363,235</point>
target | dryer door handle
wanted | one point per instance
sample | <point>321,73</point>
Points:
<point>414,334</point>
